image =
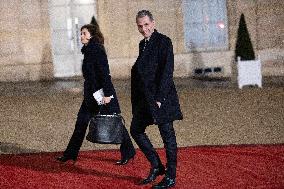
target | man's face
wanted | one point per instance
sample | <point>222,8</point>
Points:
<point>145,26</point>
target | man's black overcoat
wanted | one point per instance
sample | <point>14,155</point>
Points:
<point>152,80</point>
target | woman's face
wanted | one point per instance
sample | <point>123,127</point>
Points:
<point>85,36</point>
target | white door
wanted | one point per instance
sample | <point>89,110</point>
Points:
<point>66,19</point>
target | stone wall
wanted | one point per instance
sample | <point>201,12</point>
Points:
<point>265,24</point>
<point>118,24</point>
<point>25,47</point>
<point>25,38</point>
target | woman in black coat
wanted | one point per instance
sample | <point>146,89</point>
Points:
<point>96,73</point>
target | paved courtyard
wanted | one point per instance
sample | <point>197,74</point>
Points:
<point>40,116</point>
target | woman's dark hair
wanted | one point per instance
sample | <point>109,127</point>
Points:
<point>95,32</point>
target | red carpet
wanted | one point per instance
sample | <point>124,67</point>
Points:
<point>208,167</point>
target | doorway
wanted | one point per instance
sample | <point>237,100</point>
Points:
<point>66,19</point>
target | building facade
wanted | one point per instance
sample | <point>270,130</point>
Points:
<point>39,39</point>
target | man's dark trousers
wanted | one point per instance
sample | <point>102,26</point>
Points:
<point>167,132</point>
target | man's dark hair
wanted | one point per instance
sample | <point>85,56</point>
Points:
<point>143,13</point>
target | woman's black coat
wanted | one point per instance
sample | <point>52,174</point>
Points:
<point>96,73</point>
<point>152,80</point>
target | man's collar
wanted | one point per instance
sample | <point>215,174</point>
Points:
<point>151,36</point>
<point>147,39</point>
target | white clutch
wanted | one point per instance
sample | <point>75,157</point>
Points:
<point>98,95</point>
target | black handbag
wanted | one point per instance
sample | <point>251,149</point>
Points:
<point>106,129</point>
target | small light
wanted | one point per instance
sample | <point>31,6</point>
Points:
<point>221,25</point>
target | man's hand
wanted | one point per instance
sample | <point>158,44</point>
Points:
<point>159,104</point>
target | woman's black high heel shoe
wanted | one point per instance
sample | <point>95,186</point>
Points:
<point>124,161</point>
<point>64,159</point>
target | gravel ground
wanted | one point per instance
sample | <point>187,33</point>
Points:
<point>40,116</point>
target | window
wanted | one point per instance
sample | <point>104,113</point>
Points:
<point>205,25</point>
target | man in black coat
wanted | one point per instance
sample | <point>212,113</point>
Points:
<point>154,99</point>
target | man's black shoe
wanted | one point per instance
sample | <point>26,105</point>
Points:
<point>154,173</point>
<point>165,183</point>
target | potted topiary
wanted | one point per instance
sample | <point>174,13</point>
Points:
<point>244,48</point>
<point>249,69</point>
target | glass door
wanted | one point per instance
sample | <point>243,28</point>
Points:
<point>66,19</point>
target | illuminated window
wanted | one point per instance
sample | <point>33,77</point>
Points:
<point>205,25</point>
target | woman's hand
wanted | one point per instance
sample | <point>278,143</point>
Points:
<point>106,100</point>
